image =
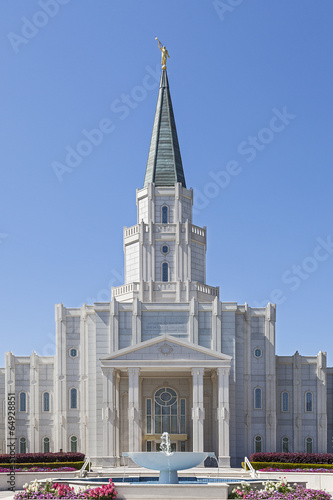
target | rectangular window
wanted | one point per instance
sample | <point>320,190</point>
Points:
<point>285,401</point>
<point>23,401</point>
<point>182,446</point>
<point>148,415</point>
<point>165,271</point>
<point>148,446</point>
<point>257,399</point>
<point>309,445</point>
<point>182,416</point>
<point>158,419</point>
<point>308,401</point>
<point>46,401</point>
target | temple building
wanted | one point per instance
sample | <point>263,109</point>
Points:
<point>166,354</point>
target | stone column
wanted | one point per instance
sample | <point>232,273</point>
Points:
<point>223,416</point>
<point>270,374</point>
<point>297,403</point>
<point>134,441</point>
<point>110,414</point>
<point>198,411</point>
<point>321,403</point>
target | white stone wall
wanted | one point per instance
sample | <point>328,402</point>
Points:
<point>205,328</point>
<point>125,329</point>
<point>157,323</point>
<point>143,210</point>
<point>132,265</point>
<point>186,210</point>
<point>198,256</point>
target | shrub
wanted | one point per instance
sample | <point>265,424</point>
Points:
<point>43,457</point>
<point>51,465</point>
<point>286,465</point>
<point>293,458</point>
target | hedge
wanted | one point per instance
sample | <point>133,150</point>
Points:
<point>280,465</point>
<point>36,458</point>
<point>293,458</point>
<point>51,465</point>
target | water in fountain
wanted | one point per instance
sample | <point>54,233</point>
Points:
<point>165,445</point>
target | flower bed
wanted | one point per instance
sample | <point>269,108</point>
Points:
<point>50,490</point>
<point>295,458</point>
<point>278,491</point>
<point>36,469</point>
<point>290,466</point>
<point>43,457</point>
<point>48,465</point>
<point>296,469</point>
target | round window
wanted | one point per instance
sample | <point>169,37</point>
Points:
<point>73,352</point>
<point>257,352</point>
<point>165,397</point>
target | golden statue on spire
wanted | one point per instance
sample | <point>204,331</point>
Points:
<point>165,54</point>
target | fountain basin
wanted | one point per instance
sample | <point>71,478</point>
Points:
<point>168,465</point>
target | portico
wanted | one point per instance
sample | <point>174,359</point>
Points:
<point>166,384</point>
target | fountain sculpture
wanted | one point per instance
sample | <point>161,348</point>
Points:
<point>168,462</point>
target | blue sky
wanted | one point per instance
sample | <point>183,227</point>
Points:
<point>251,84</point>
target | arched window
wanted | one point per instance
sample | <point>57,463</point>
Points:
<point>46,401</point>
<point>257,444</point>
<point>23,402</point>
<point>285,444</point>
<point>165,214</point>
<point>46,445</point>
<point>165,271</point>
<point>23,445</point>
<point>166,410</point>
<point>285,401</point>
<point>257,398</point>
<point>309,445</point>
<point>73,443</point>
<point>73,398</point>
<point>308,401</point>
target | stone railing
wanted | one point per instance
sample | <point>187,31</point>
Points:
<point>130,231</point>
<point>124,289</point>
<point>209,290</point>
<point>199,231</point>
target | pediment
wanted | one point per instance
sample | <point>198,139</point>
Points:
<point>166,348</point>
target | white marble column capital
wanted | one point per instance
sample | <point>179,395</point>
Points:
<point>198,371</point>
<point>223,371</point>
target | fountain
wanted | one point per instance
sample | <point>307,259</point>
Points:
<point>168,462</point>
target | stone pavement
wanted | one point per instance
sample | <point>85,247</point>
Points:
<point>7,495</point>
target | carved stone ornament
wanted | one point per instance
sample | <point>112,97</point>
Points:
<point>166,349</point>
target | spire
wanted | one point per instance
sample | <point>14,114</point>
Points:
<point>164,165</point>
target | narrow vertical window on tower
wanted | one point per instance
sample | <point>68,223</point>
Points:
<point>309,445</point>
<point>23,401</point>
<point>285,401</point>
<point>285,444</point>
<point>46,445</point>
<point>308,401</point>
<point>73,398</point>
<point>73,444</point>
<point>46,401</point>
<point>165,214</point>
<point>23,445</point>
<point>257,398</point>
<point>258,444</point>
<point>165,271</point>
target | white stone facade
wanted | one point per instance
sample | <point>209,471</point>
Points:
<point>167,354</point>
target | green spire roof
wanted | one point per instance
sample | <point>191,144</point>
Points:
<point>164,165</point>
